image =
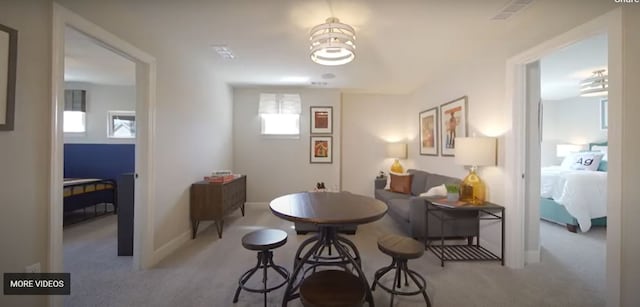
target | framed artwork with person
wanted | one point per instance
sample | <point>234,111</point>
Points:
<point>454,124</point>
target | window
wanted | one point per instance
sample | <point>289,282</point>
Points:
<point>280,114</point>
<point>280,124</point>
<point>74,122</point>
<point>122,124</point>
<point>75,109</point>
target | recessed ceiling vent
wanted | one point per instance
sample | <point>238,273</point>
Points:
<point>223,51</point>
<point>511,9</point>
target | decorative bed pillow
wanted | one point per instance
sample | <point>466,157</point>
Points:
<point>603,149</point>
<point>439,190</point>
<point>401,183</point>
<point>587,160</point>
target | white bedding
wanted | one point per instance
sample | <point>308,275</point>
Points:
<point>583,193</point>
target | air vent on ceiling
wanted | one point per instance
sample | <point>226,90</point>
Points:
<point>223,51</point>
<point>319,83</point>
<point>511,8</point>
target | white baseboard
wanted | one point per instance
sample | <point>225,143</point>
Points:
<point>170,247</point>
<point>532,256</point>
<point>177,242</point>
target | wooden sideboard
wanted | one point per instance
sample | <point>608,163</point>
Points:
<point>213,201</point>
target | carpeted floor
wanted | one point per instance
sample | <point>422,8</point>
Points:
<point>205,271</point>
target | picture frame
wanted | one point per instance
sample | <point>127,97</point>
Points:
<point>604,113</point>
<point>321,120</point>
<point>8,63</point>
<point>453,123</point>
<point>429,132</point>
<point>321,149</point>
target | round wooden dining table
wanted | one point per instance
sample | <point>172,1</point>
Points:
<point>327,210</point>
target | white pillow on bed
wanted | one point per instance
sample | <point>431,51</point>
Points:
<point>587,160</point>
<point>603,149</point>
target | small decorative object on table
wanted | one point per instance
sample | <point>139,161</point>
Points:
<point>381,181</point>
<point>452,192</point>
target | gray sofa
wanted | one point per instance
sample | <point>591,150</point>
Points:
<point>410,210</point>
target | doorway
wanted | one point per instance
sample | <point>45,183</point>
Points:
<point>572,160</point>
<point>524,226</point>
<point>99,158</point>
<point>145,68</point>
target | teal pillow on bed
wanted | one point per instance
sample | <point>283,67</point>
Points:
<point>602,167</point>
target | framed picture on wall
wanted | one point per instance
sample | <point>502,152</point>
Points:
<point>604,113</point>
<point>429,132</point>
<point>8,65</point>
<point>321,149</point>
<point>322,120</point>
<point>453,119</point>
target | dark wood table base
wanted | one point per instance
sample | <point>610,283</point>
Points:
<point>327,239</point>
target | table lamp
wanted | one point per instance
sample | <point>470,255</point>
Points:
<point>474,152</point>
<point>397,151</point>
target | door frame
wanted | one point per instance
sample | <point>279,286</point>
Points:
<point>610,24</point>
<point>144,152</point>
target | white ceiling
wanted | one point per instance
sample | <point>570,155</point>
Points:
<point>562,71</point>
<point>401,44</point>
<point>87,61</point>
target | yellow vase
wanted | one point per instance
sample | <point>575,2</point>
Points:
<point>396,167</point>
<point>472,188</point>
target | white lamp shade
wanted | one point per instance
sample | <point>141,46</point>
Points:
<point>397,150</point>
<point>475,151</point>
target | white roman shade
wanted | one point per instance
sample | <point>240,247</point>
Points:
<point>279,104</point>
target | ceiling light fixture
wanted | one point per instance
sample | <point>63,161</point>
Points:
<point>332,43</point>
<point>596,85</point>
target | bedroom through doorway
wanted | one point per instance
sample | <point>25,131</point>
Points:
<point>99,132</point>
<point>573,128</point>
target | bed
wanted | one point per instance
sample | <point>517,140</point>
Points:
<point>575,198</point>
<point>81,193</point>
<point>91,172</point>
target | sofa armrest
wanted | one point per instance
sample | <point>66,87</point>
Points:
<point>417,216</point>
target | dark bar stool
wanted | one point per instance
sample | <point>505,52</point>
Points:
<point>401,249</point>
<point>263,241</point>
<point>332,288</point>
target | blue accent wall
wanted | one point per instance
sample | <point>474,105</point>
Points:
<point>104,161</point>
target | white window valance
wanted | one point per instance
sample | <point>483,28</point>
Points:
<point>279,104</point>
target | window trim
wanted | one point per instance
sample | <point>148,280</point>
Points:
<point>110,115</point>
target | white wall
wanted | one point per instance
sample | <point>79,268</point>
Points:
<point>24,152</point>
<point>370,122</point>
<point>278,166</point>
<point>570,121</point>
<point>193,113</point>
<point>483,81</point>
<point>101,99</point>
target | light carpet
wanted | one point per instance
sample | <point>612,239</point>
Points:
<point>205,271</point>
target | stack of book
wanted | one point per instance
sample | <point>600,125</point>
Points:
<point>221,177</point>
